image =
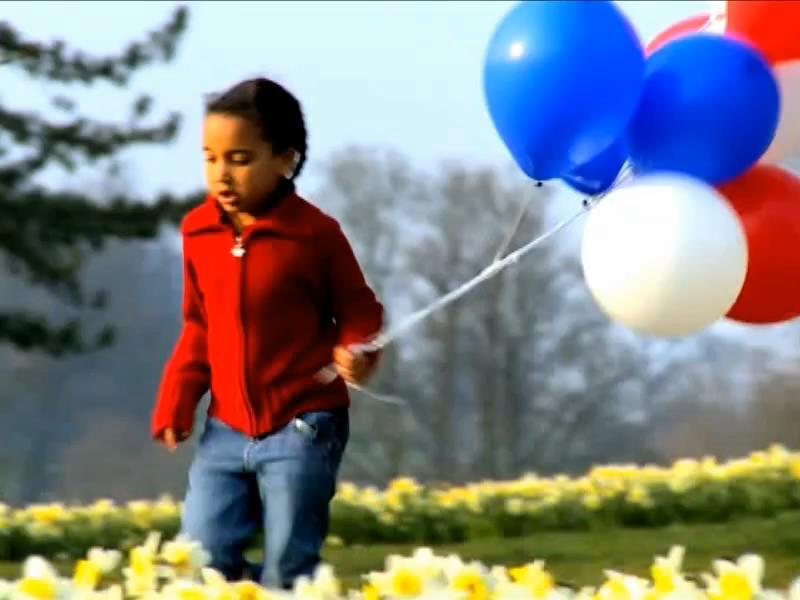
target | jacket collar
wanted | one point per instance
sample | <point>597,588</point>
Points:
<point>285,214</point>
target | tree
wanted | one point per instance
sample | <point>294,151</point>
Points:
<point>45,234</point>
<point>372,193</point>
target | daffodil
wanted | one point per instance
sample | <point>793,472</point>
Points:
<point>534,578</point>
<point>184,590</point>
<point>323,586</point>
<point>40,581</point>
<point>736,581</point>
<point>403,578</point>
<point>471,581</point>
<point>141,573</point>
<point>87,575</point>
<point>619,586</point>
<point>105,560</point>
<point>184,557</point>
<point>370,592</point>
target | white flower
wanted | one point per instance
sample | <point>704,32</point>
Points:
<point>619,585</point>
<point>741,579</point>
<point>183,590</point>
<point>324,585</point>
<point>105,560</point>
<point>794,589</point>
<point>40,581</point>
<point>6,589</point>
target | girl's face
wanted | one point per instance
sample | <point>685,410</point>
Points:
<point>240,167</point>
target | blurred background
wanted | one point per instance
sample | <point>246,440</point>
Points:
<point>523,374</point>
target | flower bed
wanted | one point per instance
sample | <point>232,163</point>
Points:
<point>178,570</point>
<point>689,491</point>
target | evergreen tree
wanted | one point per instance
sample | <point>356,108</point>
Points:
<point>44,234</point>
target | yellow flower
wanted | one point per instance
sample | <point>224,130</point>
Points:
<point>39,580</point>
<point>736,581</point>
<point>405,485</point>
<point>140,575</point>
<point>48,513</point>
<point>514,506</point>
<point>101,508</point>
<point>735,586</point>
<point>184,556</point>
<point>666,572</point>
<point>369,592</point>
<point>470,581</point>
<point>405,583</point>
<point>794,467</point>
<point>184,590</point>
<point>141,512</point>
<point>619,586</point>
<point>87,575</point>
<point>591,501</point>
<point>249,590</point>
<point>166,507</point>
<point>639,495</point>
<point>40,589</point>
<point>347,492</point>
<point>533,577</point>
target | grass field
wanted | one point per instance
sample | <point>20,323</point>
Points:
<point>579,558</point>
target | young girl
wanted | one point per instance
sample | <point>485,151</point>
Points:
<point>273,294</point>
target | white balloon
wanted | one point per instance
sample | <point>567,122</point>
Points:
<point>664,255</point>
<point>787,137</point>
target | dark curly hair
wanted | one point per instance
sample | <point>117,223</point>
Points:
<point>270,106</point>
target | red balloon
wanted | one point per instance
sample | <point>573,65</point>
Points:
<point>772,26</point>
<point>767,200</point>
<point>676,30</point>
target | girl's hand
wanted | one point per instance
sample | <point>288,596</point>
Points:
<point>171,440</point>
<point>352,366</point>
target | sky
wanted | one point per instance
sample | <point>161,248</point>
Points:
<point>405,75</point>
<point>402,75</point>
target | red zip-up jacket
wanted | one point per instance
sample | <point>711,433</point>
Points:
<point>261,316</point>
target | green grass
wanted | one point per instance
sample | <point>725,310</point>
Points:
<point>579,558</point>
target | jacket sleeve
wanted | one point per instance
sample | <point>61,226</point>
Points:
<point>186,376</point>
<point>358,313</point>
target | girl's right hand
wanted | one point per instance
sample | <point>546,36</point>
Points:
<point>171,440</point>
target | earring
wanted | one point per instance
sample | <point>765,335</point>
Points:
<point>293,166</point>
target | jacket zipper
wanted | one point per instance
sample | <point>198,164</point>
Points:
<point>238,251</point>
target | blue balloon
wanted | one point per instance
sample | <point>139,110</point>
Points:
<point>597,176</point>
<point>562,79</point>
<point>709,109</point>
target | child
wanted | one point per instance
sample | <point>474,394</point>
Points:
<point>272,295</point>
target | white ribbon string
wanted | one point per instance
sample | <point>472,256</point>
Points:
<point>329,372</point>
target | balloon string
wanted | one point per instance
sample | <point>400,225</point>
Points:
<point>523,208</point>
<point>493,269</point>
<point>490,271</point>
<point>329,373</point>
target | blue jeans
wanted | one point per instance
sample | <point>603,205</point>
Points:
<point>281,484</point>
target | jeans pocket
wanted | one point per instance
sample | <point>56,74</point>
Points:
<point>328,428</point>
<point>305,428</point>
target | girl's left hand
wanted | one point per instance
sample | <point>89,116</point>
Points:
<point>352,366</point>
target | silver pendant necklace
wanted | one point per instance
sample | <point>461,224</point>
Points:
<point>238,247</point>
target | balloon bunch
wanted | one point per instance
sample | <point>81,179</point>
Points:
<point>708,226</point>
